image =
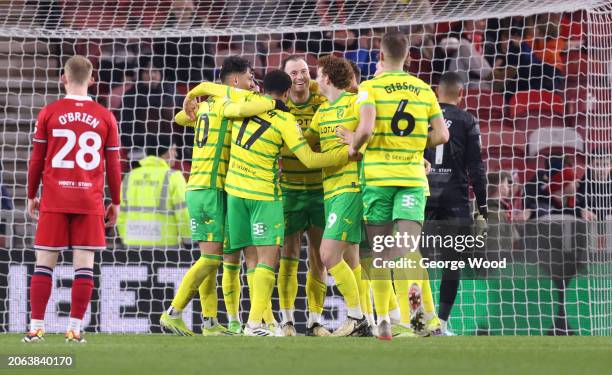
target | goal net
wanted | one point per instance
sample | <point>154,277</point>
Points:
<point>538,78</point>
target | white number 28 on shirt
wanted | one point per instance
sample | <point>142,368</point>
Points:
<point>59,160</point>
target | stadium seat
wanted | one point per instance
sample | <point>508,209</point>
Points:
<point>147,12</point>
<point>532,122</point>
<point>576,63</point>
<point>107,16</point>
<point>500,141</point>
<point>537,102</point>
<point>549,139</point>
<point>484,104</point>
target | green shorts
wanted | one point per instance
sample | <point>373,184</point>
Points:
<point>254,222</point>
<point>344,212</point>
<point>383,204</point>
<point>207,209</point>
<point>302,208</point>
<point>227,249</point>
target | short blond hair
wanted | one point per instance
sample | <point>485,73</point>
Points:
<point>78,69</point>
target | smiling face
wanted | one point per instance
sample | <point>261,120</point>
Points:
<point>300,77</point>
<point>244,80</point>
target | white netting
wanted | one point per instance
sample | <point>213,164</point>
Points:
<point>539,80</point>
<point>148,18</point>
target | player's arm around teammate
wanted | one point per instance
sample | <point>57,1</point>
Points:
<point>254,199</point>
<point>396,109</point>
<point>206,199</point>
<point>343,203</point>
<point>303,210</point>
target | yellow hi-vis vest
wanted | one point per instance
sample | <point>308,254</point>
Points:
<point>153,210</point>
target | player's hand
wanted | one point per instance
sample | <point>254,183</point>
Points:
<point>112,212</point>
<point>427,166</point>
<point>190,106</point>
<point>33,207</point>
<point>480,223</point>
<point>354,155</point>
<point>346,136</point>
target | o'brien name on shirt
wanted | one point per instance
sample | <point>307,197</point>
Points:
<point>79,116</point>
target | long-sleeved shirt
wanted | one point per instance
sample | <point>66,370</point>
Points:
<point>453,162</point>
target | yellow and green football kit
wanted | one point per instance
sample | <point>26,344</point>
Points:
<point>393,174</point>
<point>205,197</point>
<point>342,194</point>
<point>206,200</point>
<point>302,187</point>
<point>343,203</point>
<point>253,174</point>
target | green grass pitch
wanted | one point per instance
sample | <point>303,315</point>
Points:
<point>165,354</point>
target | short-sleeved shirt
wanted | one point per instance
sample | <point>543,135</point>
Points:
<point>256,146</point>
<point>405,105</point>
<point>295,174</point>
<point>342,112</point>
<point>211,145</point>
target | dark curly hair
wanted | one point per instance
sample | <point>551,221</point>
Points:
<point>233,64</point>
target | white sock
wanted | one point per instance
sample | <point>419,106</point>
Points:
<point>429,316</point>
<point>395,316</point>
<point>443,325</point>
<point>36,324</point>
<point>313,318</point>
<point>355,312</point>
<point>286,315</point>
<point>74,325</point>
<point>174,313</point>
<point>208,322</point>
<point>233,318</point>
<point>371,320</point>
<point>253,325</point>
<point>383,317</point>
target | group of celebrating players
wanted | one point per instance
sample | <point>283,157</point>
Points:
<point>351,154</point>
<point>238,192</point>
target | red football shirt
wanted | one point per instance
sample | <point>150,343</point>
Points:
<point>76,137</point>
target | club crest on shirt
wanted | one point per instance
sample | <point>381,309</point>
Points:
<point>340,112</point>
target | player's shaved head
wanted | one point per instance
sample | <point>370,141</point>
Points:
<point>78,70</point>
<point>276,82</point>
<point>338,70</point>
<point>394,46</point>
<point>450,87</point>
<point>233,65</point>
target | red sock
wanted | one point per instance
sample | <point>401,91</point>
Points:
<point>40,291</point>
<point>82,287</point>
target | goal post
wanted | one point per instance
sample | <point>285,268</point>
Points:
<point>188,40</point>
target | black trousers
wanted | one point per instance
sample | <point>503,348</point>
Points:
<point>457,223</point>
